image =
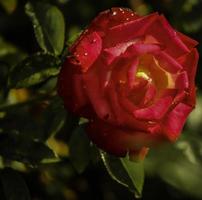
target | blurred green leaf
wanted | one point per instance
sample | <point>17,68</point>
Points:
<point>179,165</point>
<point>22,122</point>
<point>192,25</point>
<point>9,5</point>
<point>55,117</point>
<point>14,146</point>
<point>73,34</point>
<point>80,149</point>
<point>49,26</point>
<point>3,74</point>
<point>4,68</point>
<point>127,173</point>
<point>14,185</point>
<point>33,70</point>
<point>9,53</point>
<point>194,120</point>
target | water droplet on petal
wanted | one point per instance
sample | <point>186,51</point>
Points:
<point>132,14</point>
<point>121,10</point>
<point>114,13</point>
<point>127,19</point>
<point>85,54</point>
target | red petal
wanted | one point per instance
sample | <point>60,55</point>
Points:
<point>155,111</point>
<point>150,94</point>
<point>189,63</point>
<point>132,72</point>
<point>109,54</point>
<point>68,87</point>
<point>167,62</point>
<point>167,36</point>
<point>182,81</point>
<point>78,87</point>
<point>139,49</point>
<point>174,121</point>
<point>114,103</point>
<point>120,141</point>
<point>190,43</point>
<point>96,97</point>
<point>87,50</point>
<point>126,104</point>
<point>129,30</point>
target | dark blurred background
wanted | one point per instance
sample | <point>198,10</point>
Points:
<point>173,173</point>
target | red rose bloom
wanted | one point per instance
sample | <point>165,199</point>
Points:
<point>133,78</point>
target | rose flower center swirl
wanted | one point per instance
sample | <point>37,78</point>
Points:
<point>132,77</point>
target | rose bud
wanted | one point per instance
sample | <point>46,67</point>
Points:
<point>132,77</point>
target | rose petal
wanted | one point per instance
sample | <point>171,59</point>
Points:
<point>150,94</point>
<point>155,111</point>
<point>165,34</point>
<point>73,99</point>
<point>129,30</point>
<point>190,43</point>
<point>182,81</point>
<point>126,104</point>
<point>189,63</point>
<point>97,99</point>
<point>120,141</point>
<point>78,88</point>
<point>174,121</point>
<point>167,62</point>
<point>109,54</point>
<point>138,49</point>
<point>87,50</point>
<point>114,103</point>
<point>132,73</point>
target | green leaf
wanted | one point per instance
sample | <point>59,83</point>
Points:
<point>14,146</point>
<point>127,173</point>
<point>9,5</point>
<point>9,53</point>
<point>20,120</point>
<point>4,68</point>
<point>55,117</point>
<point>179,164</point>
<point>80,148</point>
<point>14,186</point>
<point>33,70</point>
<point>49,26</point>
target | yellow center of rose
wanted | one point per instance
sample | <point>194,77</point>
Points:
<point>143,74</point>
<point>150,70</point>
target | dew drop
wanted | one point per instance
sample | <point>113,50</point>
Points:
<point>127,19</point>
<point>121,10</point>
<point>114,13</point>
<point>132,14</point>
<point>94,40</point>
<point>85,54</point>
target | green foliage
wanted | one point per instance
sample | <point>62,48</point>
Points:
<point>9,53</point>
<point>54,118</point>
<point>49,26</point>
<point>33,70</point>
<point>129,174</point>
<point>179,165</point>
<point>80,149</point>
<point>23,149</point>
<point>14,185</point>
<point>9,5</point>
